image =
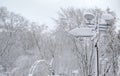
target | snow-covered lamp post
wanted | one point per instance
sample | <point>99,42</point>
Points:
<point>84,32</point>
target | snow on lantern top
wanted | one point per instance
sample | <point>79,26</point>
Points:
<point>107,16</point>
<point>89,16</point>
<point>82,32</point>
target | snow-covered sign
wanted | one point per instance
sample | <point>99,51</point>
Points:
<point>82,32</point>
<point>103,26</point>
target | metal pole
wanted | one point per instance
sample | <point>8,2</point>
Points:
<point>97,51</point>
<point>96,45</point>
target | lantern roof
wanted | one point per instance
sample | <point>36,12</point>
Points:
<point>89,16</point>
<point>82,32</point>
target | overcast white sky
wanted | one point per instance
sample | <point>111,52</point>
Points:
<point>43,10</point>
